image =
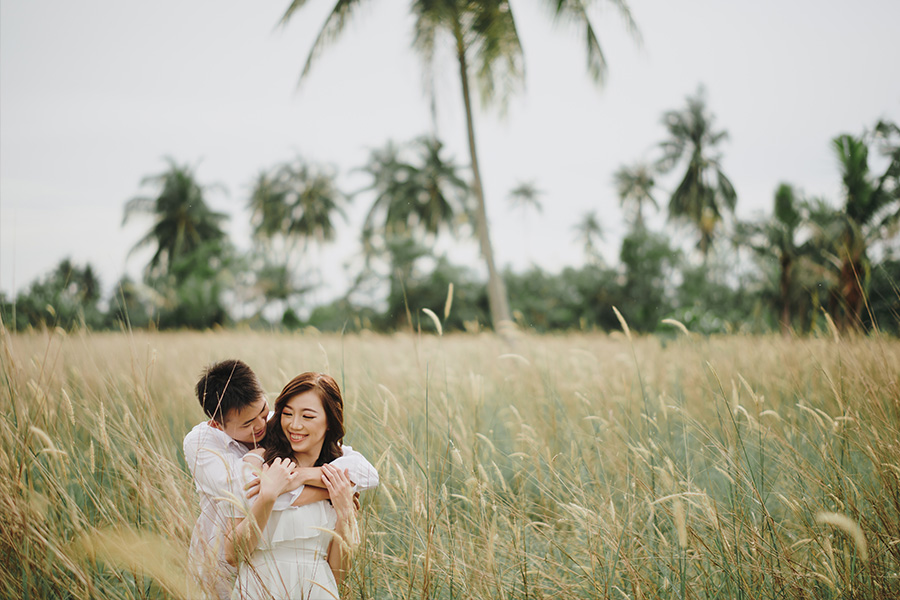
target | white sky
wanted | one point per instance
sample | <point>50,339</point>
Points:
<point>94,93</point>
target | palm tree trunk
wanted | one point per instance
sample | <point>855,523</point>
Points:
<point>497,297</point>
<point>786,265</point>
<point>851,294</point>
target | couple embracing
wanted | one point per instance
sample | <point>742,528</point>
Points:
<point>277,504</point>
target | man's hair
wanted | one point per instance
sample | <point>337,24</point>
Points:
<point>226,386</point>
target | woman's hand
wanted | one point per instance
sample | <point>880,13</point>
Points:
<point>276,478</point>
<point>340,489</point>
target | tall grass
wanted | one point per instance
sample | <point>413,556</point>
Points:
<point>567,466</point>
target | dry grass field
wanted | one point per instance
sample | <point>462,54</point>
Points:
<point>561,466</point>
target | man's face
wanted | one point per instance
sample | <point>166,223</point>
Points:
<point>248,424</point>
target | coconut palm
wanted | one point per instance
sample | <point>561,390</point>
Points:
<point>294,203</point>
<point>525,196</point>
<point>777,236</point>
<point>297,201</point>
<point>705,193</point>
<point>418,195</point>
<point>887,137</point>
<point>269,210</point>
<point>485,42</point>
<point>419,198</point>
<point>182,221</point>
<point>869,208</point>
<point>589,232</point>
<point>634,185</point>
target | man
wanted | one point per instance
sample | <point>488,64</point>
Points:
<point>232,398</point>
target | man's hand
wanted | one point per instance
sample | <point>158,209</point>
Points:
<point>252,488</point>
<point>337,482</point>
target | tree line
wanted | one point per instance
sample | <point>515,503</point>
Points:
<point>810,258</point>
<point>808,261</point>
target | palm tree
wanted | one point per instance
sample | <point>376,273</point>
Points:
<point>182,222</point>
<point>269,210</point>
<point>887,136</point>
<point>293,203</point>
<point>296,201</point>
<point>415,201</point>
<point>486,45</point>
<point>634,185</point>
<point>705,193</point>
<point>525,197</point>
<point>589,232</point>
<point>419,198</point>
<point>778,236</point>
<point>868,208</point>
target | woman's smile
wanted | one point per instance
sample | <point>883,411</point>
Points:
<point>304,424</point>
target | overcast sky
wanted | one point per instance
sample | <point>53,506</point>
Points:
<point>93,95</point>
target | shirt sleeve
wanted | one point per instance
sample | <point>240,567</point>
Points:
<point>362,473</point>
<point>216,475</point>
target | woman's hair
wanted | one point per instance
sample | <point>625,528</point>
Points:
<point>277,445</point>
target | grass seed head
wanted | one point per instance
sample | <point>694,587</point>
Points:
<point>849,527</point>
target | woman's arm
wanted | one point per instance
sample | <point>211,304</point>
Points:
<point>243,538</point>
<point>310,479</point>
<point>340,488</point>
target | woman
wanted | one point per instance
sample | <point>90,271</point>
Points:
<point>292,553</point>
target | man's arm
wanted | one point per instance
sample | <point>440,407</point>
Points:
<point>309,480</point>
<point>213,469</point>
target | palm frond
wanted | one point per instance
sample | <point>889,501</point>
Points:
<point>330,31</point>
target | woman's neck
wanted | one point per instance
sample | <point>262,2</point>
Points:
<point>305,460</point>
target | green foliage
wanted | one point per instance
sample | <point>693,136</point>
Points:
<point>865,219</point>
<point>67,297</point>
<point>883,300</point>
<point>543,301</point>
<point>418,196</point>
<point>775,240</point>
<point>649,262</point>
<point>589,232</point>
<point>192,296</point>
<point>128,306</point>
<point>182,221</point>
<point>429,290</point>
<point>635,185</point>
<point>296,201</point>
<point>707,303</point>
<point>705,193</point>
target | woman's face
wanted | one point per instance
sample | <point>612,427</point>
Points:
<point>304,424</point>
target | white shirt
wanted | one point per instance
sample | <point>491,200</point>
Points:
<point>214,459</point>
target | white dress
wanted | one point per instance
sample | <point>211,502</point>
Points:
<point>291,559</point>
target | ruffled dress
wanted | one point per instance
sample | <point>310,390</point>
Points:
<point>291,560</point>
